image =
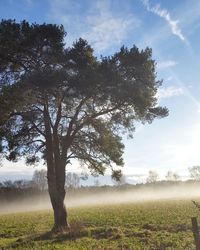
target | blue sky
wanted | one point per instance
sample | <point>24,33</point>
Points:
<point>172,29</point>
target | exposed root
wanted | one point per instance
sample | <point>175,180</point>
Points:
<point>60,229</point>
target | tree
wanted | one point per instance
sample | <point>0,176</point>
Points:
<point>8,184</point>
<point>195,172</point>
<point>40,179</point>
<point>84,176</point>
<point>120,181</point>
<point>97,183</point>
<point>152,177</point>
<point>176,177</point>
<point>62,104</point>
<point>20,184</point>
<point>72,180</point>
<point>172,176</point>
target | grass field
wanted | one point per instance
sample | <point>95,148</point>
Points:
<point>147,225</point>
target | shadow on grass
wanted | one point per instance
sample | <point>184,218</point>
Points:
<point>77,230</point>
<point>80,230</point>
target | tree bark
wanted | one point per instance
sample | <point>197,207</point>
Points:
<point>55,175</point>
<point>57,195</point>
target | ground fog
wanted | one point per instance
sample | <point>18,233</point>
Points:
<point>99,197</point>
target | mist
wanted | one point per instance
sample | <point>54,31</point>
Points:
<point>98,197</point>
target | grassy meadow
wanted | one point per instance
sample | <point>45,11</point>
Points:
<point>152,225</point>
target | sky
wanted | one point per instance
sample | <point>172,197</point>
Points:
<point>172,29</point>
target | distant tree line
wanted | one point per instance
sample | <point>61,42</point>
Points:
<point>19,189</point>
<point>72,180</point>
<point>12,190</point>
<point>194,174</point>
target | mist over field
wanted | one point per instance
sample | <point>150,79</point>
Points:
<point>98,197</point>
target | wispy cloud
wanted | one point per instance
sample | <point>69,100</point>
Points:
<point>165,14</point>
<point>166,64</point>
<point>187,89</point>
<point>106,30</point>
<point>102,27</point>
<point>168,92</point>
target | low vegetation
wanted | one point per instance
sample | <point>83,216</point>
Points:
<point>152,225</point>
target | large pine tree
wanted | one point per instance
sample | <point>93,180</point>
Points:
<point>61,104</point>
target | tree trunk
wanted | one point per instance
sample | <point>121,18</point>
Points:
<point>55,173</point>
<point>57,195</point>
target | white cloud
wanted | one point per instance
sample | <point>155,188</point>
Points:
<point>169,78</point>
<point>99,25</point>
<point>187,89</point>
<point>163,13</point>
<point>106,28</point>
<point>170,92</point>
<point>166,64</point>
<point>106,31</point>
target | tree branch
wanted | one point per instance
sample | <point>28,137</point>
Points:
<point>24,116</point>
<point>58,118</point>
<point>103,112</point>
<point>67,140</point>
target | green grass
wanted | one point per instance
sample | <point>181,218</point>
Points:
<point>148,225</point>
